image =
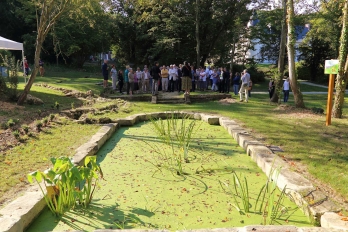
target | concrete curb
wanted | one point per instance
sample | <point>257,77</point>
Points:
<point>18,215</point>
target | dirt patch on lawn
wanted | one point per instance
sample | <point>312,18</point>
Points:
<point>286,111</point>
<point>227,101</point>
<point>8,107</point>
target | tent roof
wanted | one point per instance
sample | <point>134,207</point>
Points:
<point>7,44</point>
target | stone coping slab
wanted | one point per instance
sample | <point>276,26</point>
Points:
<point>18,215</point>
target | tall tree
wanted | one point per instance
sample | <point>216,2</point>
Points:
<point>198,41</point>
<point>291,55</point>
<point>82,32</point>
<point>342,77</point>
<point>281,61</point>
<point>47,12</point>
<point>163,29</point>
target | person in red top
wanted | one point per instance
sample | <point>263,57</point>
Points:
<point>26,67</point>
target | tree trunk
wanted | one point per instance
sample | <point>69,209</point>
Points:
<point>50,12</point>
<point>281,63</point>
<point>291,56</point>
<point>198,42</point>
<point>39,42</point>
<point>342,77</point>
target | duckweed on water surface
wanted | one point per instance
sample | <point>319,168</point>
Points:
<point>135,194</point>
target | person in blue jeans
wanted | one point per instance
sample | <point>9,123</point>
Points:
<point>235,82</point>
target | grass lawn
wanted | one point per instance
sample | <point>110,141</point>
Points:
<point>307,143</point>
<point>263,87</point>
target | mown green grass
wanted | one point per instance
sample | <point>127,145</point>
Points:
<point>263,86</point>
<point>60,138</point>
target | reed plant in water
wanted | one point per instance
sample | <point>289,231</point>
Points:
<point>270,203</point>
<point>239,190</point>
<point>176,133</point>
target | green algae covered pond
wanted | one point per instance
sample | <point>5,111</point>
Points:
<point>138,193</point>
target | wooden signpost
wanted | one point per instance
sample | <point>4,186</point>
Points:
<point>331,67</point>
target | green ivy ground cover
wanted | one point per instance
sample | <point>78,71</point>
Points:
<point>130,197</point>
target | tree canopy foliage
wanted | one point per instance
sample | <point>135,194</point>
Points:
<point>165,30</point>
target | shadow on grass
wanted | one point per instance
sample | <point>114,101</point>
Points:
<point>96,216</point>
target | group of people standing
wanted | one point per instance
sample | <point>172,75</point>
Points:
<point>27,68</point>
<point>184,77</point>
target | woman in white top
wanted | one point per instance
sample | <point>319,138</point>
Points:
<point>113,74</point>
<point>202,79</point>
<point>286,89</point>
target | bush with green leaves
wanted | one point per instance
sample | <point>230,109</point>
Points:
<point>67,184</point>
<point>11,123</point>
<point>25,128</point>
<point>38,125</point>
<point>16,134</point>
<point>52,116</point>
<point>45,121</point>
<point>9,84</point>
<point>4,126</point>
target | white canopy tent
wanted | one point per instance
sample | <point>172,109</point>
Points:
<point>6,44</point>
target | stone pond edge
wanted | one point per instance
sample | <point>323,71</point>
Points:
<point>17,215</point>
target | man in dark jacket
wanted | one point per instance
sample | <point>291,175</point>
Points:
<point>226,80</point>
<point>155,73</point>
<point>105,73</point>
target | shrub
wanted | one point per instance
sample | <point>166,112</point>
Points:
<point>45,121</point>
<point>25,128</point>
<point>52,116</point>
<point>302,71</point>
<point>11,123</point>
<point>4,126</point>
<point>255,74</point>
<point>38,125</point>
<point>16,134</point>
<point>8,85</point>
<point>56,105</point>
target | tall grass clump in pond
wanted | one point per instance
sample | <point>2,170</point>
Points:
<point>67,184</point>
<point>239,190</point>
<point>176,134</point>
<point>269,202</point>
